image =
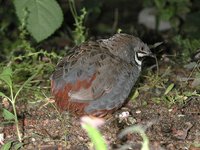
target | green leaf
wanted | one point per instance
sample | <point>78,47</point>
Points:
<point>194,93</point>
<point>7,115</point>
<point>159,3</point>
<point>96,137</point>
<point>6,76</point>
<point>3,95</point>
<point>7,146</point>
<point>167,13</point>
<point>135,95</point>
<point>18,146</point>
<point>169,88</point>
<point>42,17</point>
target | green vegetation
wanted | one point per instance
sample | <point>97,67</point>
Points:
<point>188,45</point>
<point>79,34</point>
<point>137,129</point>
<point>6,77</point>
<point>26,61</point>
<point>41,18</point>
<point>184,24</point>
<point>166,92</point>
<point>96,137</point>
<point>170,10</point>
<point>99,142</point>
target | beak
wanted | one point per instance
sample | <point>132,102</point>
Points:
<point>148,54</point>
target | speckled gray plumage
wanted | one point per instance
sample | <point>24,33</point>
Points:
<point>111,61</point>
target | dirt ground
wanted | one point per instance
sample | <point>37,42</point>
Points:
<point>174,127</point>
<point>170,119</point>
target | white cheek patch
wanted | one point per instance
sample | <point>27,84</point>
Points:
<point>141,54</point>
<point>139,62</point>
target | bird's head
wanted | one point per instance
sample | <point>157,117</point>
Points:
<point>128,47</point>
<point>140,50</point>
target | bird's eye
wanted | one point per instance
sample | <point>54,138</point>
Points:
<point>142,48</point>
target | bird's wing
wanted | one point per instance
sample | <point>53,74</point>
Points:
<point>76,70</point>
<point>97,77</point>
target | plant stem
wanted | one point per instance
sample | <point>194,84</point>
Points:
<point>13,98</point>
<point>73,10</point>
<point>16,122</point>
<point>15,114</point>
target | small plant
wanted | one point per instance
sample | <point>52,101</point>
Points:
<point>178,97</point>
<point>136,129</point>
<point>6,77</point>
<point>24,59</point>
<point>188,46</point>
<point>170,10</point>
<point>172,95</point>
<point>156,81</point>
<point>79,34</point>
<point>90,125</point>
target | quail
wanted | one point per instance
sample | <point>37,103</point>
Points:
<point>97,77</point>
